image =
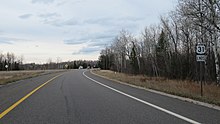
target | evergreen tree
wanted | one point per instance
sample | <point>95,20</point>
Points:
<point>161,54</point>
<point>133,60</point>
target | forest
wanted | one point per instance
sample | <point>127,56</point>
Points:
<point>10,61</point>
<point>168,48</point>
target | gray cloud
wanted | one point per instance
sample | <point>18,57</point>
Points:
<point>43,1</point>
<point>49,15</point>
<point>70,2</point>
<point>1,32</point>
<point>49,18</point>
<point>25,16</point>
<point>7,40</point>
<point>4,40</point>
<point>100,43</point>
<point>87,50</point>
<point>98,39</point>
<point>103,21</point>
<point>112,21</point>
<point>90,50</point>
<point>74,42</point>
<point>95,45</point>
<point>104,36</point>
<point>70,22</point>
<point>60,22</point>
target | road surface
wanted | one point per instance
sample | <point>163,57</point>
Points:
<point>79,97</point>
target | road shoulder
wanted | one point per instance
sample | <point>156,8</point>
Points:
<point>162,93</point>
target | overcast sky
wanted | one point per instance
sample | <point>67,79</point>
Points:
<point>72,29</point>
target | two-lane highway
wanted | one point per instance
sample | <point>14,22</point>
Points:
<point>78,97</point>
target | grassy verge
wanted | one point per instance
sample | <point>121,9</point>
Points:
<point>185,88</point>
<point>12,76</point>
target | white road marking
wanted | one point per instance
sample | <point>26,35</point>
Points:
<point>212,106</point>
<point>144,102</point>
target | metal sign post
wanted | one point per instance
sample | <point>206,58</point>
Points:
<point>201,58</point>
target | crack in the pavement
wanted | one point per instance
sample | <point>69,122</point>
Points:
<point>70,110</point>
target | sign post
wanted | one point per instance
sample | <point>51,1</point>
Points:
<point>201,58</point>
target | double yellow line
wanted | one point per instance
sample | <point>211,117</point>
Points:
<point>25,97</point>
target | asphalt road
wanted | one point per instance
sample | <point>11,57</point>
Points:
<point>76,97</point>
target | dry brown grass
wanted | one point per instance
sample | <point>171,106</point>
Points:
<point>177,87</point>
<point>7,77</point>
<point>11,76</point>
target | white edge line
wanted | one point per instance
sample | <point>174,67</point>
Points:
<point>144,102</point>
<point>210,106</point>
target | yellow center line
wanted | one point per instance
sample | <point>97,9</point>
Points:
<point>25,97</point>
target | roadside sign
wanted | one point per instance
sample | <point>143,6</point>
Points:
<point>200,58</point>
<point>6,66</point>
<point>200,52</point>
<point>200,49</point>
<point>66,66</point>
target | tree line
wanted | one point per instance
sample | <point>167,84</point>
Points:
<point>63,65</point>
<point>168,49</point>
<point>10,62</point>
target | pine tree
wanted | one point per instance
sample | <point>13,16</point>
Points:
<point>133,59</point>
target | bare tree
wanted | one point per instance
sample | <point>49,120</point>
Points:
<point>1,61</point>
<point>205,15</point>
<point>168,50</point>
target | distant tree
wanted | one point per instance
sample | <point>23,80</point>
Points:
<point>75,66</point>
<point>134,60</point>
<point>1,61</point>
<point>84,64</point>
<point>161,54</point>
